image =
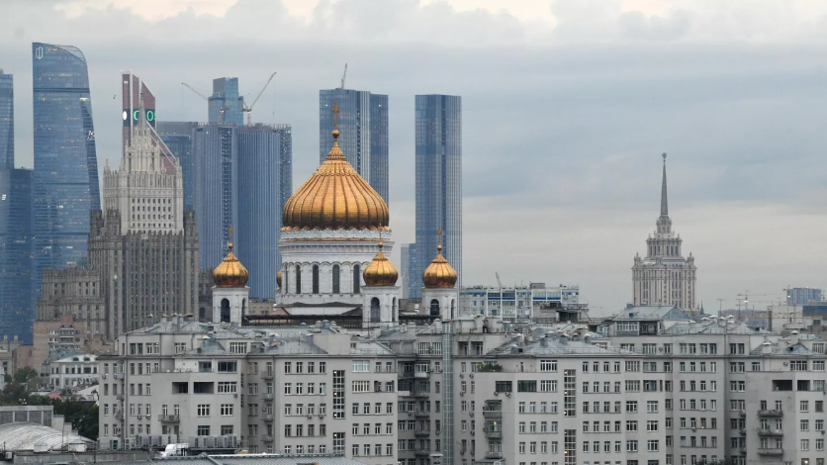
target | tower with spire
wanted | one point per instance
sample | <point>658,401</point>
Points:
<point>664,276</point>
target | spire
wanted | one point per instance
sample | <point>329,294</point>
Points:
<point>664,204</point>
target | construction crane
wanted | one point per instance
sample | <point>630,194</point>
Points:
<point>344,75</point>
<point>220,110</point>
<point>249,109</point>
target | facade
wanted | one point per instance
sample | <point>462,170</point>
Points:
<point>804,295</point>
<point>438,179</point>
<point>16,259</point>
<point>225,103</point>
<point>363,124</point>
<point>535,301</point>
<point>215,163</point>
<point>410,279</point>
<point>65,179</point>
<point>177,136</point>
<point>265,173</point>
<point>664,276</point>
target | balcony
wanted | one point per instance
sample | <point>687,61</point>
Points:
<point>492,414</point>
<point>422,414</point>
<point>119,415</point>
<point>493,455</point>
<point>268,396</point>
<point>168,418</point>
<point>414,394</point>
<point>770,413</point>
<point>770,432</point>
<point>422,432</point>
<point>267,375</point>
<point>119,397</point>
<point>422,452</point>
<point>493,434</point>
<point>119,376</point>
<point>422,374</point>
<point>267,438</point>
<point>769,451</point>
<point>268,417</point>
<point>742,431</point>
<point>742,413</point>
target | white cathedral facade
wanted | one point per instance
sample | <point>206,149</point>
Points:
<point>664,276</point>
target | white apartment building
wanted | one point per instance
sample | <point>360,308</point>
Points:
<point>550,304</point>
<point>72,371</point>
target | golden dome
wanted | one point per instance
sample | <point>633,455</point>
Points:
<point>230,272</point>
<point>380,271</point>
<point>440,273</point>
<point>335,197</point>
<point>278,279</point>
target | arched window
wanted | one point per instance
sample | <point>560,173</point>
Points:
<point>286,282</point>
<point>225,311</point>
<point>336,289</point>
<point>202,314</point>
<point>434,307</point>
<point>453,309</point>
<point>394,310</point>
<point>298,279</point>
<point>315,279</point>
<point>243,307</point>
<point>357,276</point>
<point>374,310</point>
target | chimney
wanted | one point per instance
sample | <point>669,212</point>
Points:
<point>544,341</point>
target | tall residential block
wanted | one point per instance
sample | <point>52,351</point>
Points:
<point>225,104</point>
<point>215,187</point>
<point>664,276</point>
<point>65,179</point>
<point>438,181</point>
<point>363,129</point>
<point>177,136</point>
<point>265,175</point>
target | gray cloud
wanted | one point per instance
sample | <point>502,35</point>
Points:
<point>563,126</point>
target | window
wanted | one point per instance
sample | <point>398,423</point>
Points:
<point>361,366</point>
<point>227,387</point>
<point>526,386</point>
<point>652,445</point>
<point>548,365</point>
<point>226,410</point>
<point>238,347</point>
<point>203,410</point>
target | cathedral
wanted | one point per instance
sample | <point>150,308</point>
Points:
<point>664,276</point>
<point>333,242</point>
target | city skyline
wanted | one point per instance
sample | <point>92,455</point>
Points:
<point>587,222</point>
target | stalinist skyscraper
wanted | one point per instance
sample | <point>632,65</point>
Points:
<point>143,242</point>
<point>664,276</point>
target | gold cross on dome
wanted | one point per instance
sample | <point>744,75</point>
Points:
<point>439,236</point>
<point>230,230</point>
<point>335,115</point>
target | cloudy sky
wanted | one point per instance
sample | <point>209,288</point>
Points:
<point>567,104</point>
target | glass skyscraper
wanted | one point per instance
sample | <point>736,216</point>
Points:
<point>225,104</point>
<point>438,182</point>
<point>410,280</point>
<point>363,125</point>
<point>215,167</point>
<point>178,138</point>
<point>265,174</point>
<point>17,300</point>
<point>6,120</point>
<point>65,185</point>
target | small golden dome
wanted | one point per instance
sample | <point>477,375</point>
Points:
<point>278,279</point>
<point>380,271</point>
<point>440,273</point>
<point>335,197</point>
<point>230,272</point>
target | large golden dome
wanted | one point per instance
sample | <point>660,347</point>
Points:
<point>230,272</point>
<point>440,273</point>
<point>335,197</point>
<point>380,271</point>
